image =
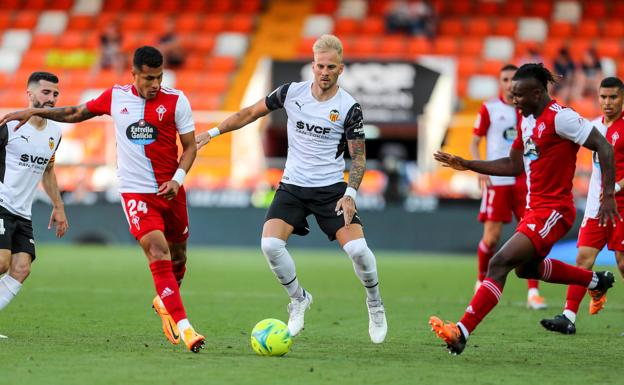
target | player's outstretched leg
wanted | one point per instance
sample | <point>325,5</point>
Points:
<point>534,300</point>
<point>365,267</point>
<point>283,266</point>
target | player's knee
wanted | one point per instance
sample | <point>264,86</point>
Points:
<point>158,253</point>
<point>4,265</point>
<point>498,264</point>
<point>20,271</point>
<point>359,253</point>
<point>272,248</point>
<point>491,239</point>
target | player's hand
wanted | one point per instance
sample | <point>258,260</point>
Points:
<point>202,139</point>
<point>346,207</point>
<point>58,220</point>
<point>21,116</point>
<point>168,190</point>
<point>450,160</point>
<point>608,212</point>
<point>484,181</point>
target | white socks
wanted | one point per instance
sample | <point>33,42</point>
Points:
<point>9,287</point>
<point>282,264</point>
<point>183,324</point>
<point>533,291</point>
<point>365,267</point>
<point>569,314</point>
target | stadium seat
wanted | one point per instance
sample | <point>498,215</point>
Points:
<point>25,20</point>
<point>560,29</point>
<point>392,46</point>
<point>317,25</point>
<point>352,9</point>
<point>532,29</point>
<point>114,5</point>
<point>609,67</point>
<point>373,25</point>
<point>16,39</point>
<point>471,46</point>
<point>34,60</point>
<point>499,48</point>
<point>542,9</point>
<point>587,29</point>
<point>363,47</point>
<point>487,8</point>
<point>231,44</point>
<point>613,29</point>
<point>451,27</point>
<point>482,87</point>
<point>10,4</point>
<point>71,40</point>
<point>35,5</point>
<point>133,22</point>
<point>594,10</point>
<point>478,26</point>
<point>241,23</point>
<point>44,41</point>
<point>445,45</point>
<point>491,67</point>
<point>10,60</point>
<point>141,6</point>
<point>80,23</point>
<point>378,7</point>
<point>327,7</point>
<point>346,27</point>
<point>249,6</point>
<point>514,8</point>
<point>85,8</point>
<point>53,22</point>
<point>467,66</point>
<point>505,26</point>
<point>419,45</point>
<point>617,11</point>
<point>212,24</point>
<point>195,61</point>
<point>567,11</point>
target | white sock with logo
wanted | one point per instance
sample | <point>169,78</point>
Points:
<point>9,287</point>
<point>183,324</point>
<point>365,267</point>
<point>282,264</point>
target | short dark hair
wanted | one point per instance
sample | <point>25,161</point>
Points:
<point>509,67</point>
<point>535,71</point>
<point>147,55</point>
<point>612,82</point>
<point>40,75</point>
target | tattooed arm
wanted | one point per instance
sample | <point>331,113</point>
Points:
<point>71,114</point>
<point>357,149</point>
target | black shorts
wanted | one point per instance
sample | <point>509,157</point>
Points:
<point>293,204</point>
<point>16,233</point>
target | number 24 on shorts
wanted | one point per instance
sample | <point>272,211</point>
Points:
<point>134,207</point>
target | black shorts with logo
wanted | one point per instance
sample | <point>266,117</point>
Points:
<point>293,204</point>
<point>16,233</point>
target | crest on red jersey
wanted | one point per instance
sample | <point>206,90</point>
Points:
<point>614,138</point>
<point>540,129</point>
<point>161,112</point>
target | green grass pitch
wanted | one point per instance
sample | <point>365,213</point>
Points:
<point>84,317</point>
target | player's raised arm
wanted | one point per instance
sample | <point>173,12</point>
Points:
<point>508,166</point>
<point>71,114</point>
<point>50,185</point>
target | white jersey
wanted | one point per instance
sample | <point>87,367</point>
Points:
<point>146,133</point>
<point>24,156</point>
<point>317,133</point>
<point>497,121</point>
<point>595,181</point>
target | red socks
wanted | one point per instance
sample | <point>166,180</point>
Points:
<point>178,271</point>
<point>167,288</point>
<point>574,297</point>
<point>552,270</point>
<point>484,254</point>
<point>533,283</point>
<point>482,303</point>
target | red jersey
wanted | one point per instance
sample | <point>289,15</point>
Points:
<point>549,144</point>
<point>615,132</point>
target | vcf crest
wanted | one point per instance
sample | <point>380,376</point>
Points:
<point>51,143</point>
<point>161,112</point>
<point>334,115</point>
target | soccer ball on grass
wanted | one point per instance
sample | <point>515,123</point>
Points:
<point>270,337</point>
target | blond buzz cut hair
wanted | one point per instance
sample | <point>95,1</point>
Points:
<point>327,42</point>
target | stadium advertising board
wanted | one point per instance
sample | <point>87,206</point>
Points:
<point>391,93</point>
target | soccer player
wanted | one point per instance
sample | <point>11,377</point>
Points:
<point>548,140</point>
<point>27,158</point>
<point>148,118</point>
<point>323,119</point>
<point>592,237</point>
<point>502,195</point>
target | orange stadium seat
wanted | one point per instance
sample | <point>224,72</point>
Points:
<point>471,46</point>
<point>5,20</point>
<point>213,24</point>
<point>187,22</point>
<point>560,29</point>
<point>459,8</point>
<point>133,22</point>
<point>478,26</point>
<point>305,45</point>
<point>392,46</point>
<point>514,9</point>
<point>363,47</point>
<point>80,23</point>
<point>419,45</point>
<point>63,5</point>
<point>613,28</point>
<point>195,62</point>
<point>10,4</point>
<point>541,9</point>
<point>71,40</point>
<point>221,7</point>
<point>78,79</point>
<point>204,43</point>
<point>326,6</point>
<point>240,23</point>
<point>104,19</point>
<point>69,96</point>
<point>3,80</point>
<point>451,26</point>
<point>114,5</point>
<point>142,5</point>
<point>609,47</point>
<point>467,65</point>
<point>221,64</point>
<point>552,47</point>
<point>462,87</point>
<point>445,45</point>
<point>491,67</point>
<point>25,20</point>
<point>373,25</point>
<point>249,6</point>
<point>186,80</point>
<point>579,47</point>
<point>91,40</point>
<point>202,101</point>
<point>487,8</point>
<point>595,10</point>
<point>346,27</point>
<point>43,41</point>
<point>35,5</point>
<point>617,11</point>
<point>588,29</point>
<point>505,26</point>
<point>378,8</point>
<point>34,59</point>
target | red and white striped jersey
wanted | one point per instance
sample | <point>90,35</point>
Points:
<point>146,133</point>
<point>550,143</point>
<point>497,121</point>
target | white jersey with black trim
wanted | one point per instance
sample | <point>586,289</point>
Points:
<point>24,156</point>
<point>595,181</point>
<point>317,133</point>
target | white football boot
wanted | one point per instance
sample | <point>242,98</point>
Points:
<point>377,324</point>
<point>296,311</point>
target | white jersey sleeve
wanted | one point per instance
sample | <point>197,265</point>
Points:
<point>572,126</point>
<point>184,115</point>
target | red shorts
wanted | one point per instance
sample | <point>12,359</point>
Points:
<point>499,202</point>
<point>545,227</point>
<point>148,212</point>
<point>592,235</point>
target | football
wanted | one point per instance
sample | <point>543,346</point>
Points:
<point>270,337</point>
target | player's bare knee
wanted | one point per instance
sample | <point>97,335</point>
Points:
<point>499,266</point>
<point>20,271</point>
<point>491,239</point>
<point>4,266</point>
<point>359,253</point>
<point>157,253</point>
<point>272,248</point>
